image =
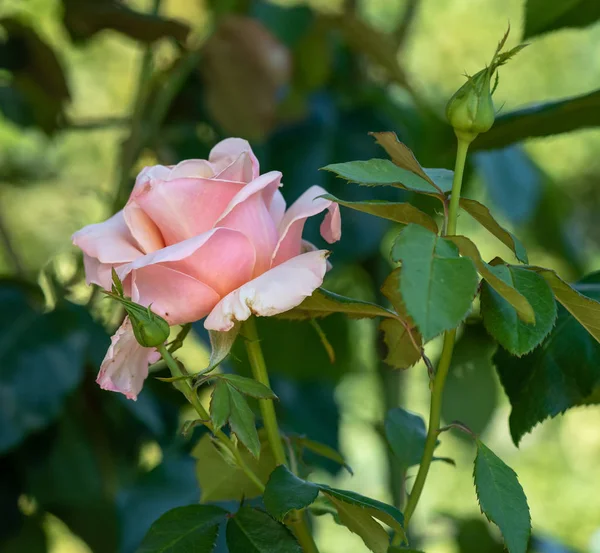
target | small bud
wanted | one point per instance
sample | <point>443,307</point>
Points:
<point>471,109</point>
<point>149,329</point>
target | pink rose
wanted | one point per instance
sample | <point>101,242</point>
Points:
<point>205,239</point>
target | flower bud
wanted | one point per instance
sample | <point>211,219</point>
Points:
<point>471,109</point>
<point>149,329</point>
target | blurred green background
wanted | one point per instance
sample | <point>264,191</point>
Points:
<point>93,90</point>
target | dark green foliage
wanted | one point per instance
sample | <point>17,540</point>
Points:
<point>562,373</point>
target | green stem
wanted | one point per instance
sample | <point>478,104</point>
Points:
<point>267,409</point>
<point>186,389</point>
<point>445,358</point>
<point>459,169</point>
<point>297,520</point>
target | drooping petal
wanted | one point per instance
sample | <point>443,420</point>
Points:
<point>279,289</point>
<point>177,297</point>
<point>97,272</point>
<point>292,224</point>
<point>125,366</point>
<point>249,213</point>
<point>186,207</point>
<point>142,228</point>
<point>229,151</point>
<point>108,242</point>
<point>221,258</point>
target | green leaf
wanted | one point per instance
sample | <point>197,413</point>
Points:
<point>543,16</point>
<point>585,309</point>
<point>501,319</point>
<point>437,285</point>
<point>401,350</point>
<point>405,433</point>
<point>220,405</point>
<point>221,480</point>
<point>502,499</point>
<point>563,373</point>
<point>253,531</point>
<point>504,287</point>
<point>398,549</point>
<point>286,492</point>
<point>220,346</point>
<point>382,172</point>
<point>471,375</point>
<point>323,303</point>
<point>550,118</point>
<point>482,215</point>
<point>403,213</point>
<point>241,421</point>
<point>248,386</point>
<point>321,449</point>
<point>403,157</point>
<point>192,529</point>
<point>42,359</point>
<point>360,522</point>
<point>381,511</point>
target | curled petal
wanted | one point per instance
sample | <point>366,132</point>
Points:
<point>235,157</point>
<point>142,228</point>
<point>125,366</point>
<point>249,213</point>
<point>279,289</point>
<point>186,207</point>
<point>292,224</point>
<point>108,242</point>
<point>149,176</point>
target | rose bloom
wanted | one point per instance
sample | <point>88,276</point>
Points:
<point>205,239</point>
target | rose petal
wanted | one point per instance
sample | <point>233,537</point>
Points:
<point>249,213</point>
<point>241,169</point>
<point>109,242</point>
<point>149,176</point>
<point>142,228</point>
<point>221,258</point>
<point>186,207</point>
<point>97,272</point>
<point>292,224</point>
<point>192,168</point>
<point>277,208</point>
<point>228,151</point>
<point>125,366</point>
<point>177,297</point>
<point>275,291</point>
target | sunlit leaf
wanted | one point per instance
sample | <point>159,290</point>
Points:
<point>483,216</point>
<point>493,277</point>
<point>501,319</point>
<point>403,213</point>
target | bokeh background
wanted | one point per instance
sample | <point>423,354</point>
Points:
<point>93,90</point>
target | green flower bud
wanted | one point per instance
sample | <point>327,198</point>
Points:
<point>149,329</point>
<point>471,109</point>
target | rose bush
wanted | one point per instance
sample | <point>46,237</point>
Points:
<point>205,238</point>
